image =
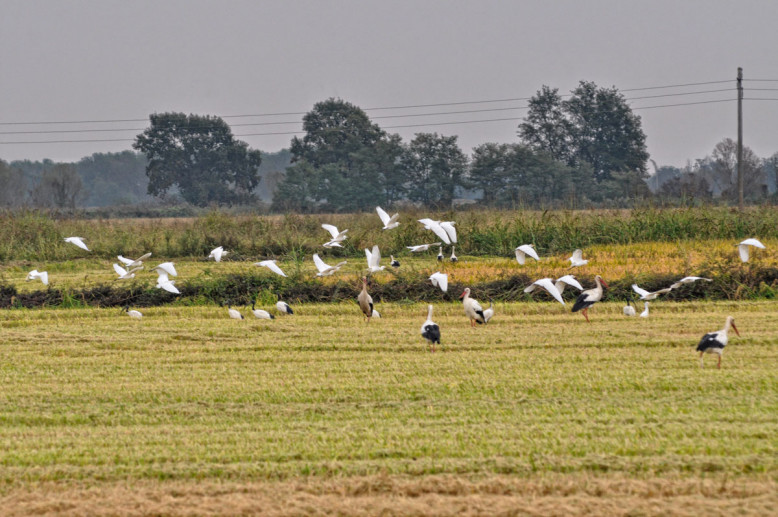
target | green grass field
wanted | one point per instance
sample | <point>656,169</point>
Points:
<point>189,412</point>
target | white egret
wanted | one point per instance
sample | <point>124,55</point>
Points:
<point>743,248</point>
<point>524,250</point>
<point>43,276</point>
<point>646,295</point>
<point>217,253</point>
<point>374,260</point>
<point>436,228</point>
<point>422,247</point>
<point>548,285</point>
<point>272,266</point>
<point>125,274</point>
<point>324,269</point>
<point>130,263</point>
<point>439,279</point>
<point>78,241</point>
<point>448,227</point>
<point>644,314</point>
<point>689,280</point>
<point>566,280</point>
<point>388,222</point>
<point>577,259</point>
<point>337,236</point>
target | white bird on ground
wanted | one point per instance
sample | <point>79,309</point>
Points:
<point>366,301</point>
<point>473,309</point>
<point>743,248</point>
<point>389,222</point>
<point>566,280</point>
<point>283,307</point>
<point>430,330</point>
<point>644,314</point>
<point>132,313</point>
<point>272,266</point>
<point>629,310</point>
<point>439,279</point>
<point>130,263</point>
<point>325,269</point>
<point>422,247</point>
<point>261,313</point>
<point>589,297</point>
<point>646,295</point>
<point>394,263</point>
<point>217,253</point>
<point>374,259</point>
<point>436,228</point>
<point>234,313</point>
<point>376,314</point>
<point>337,236</point>
<point>714,342</point>
<point>489,313</point>
<point>78,241</point>
<point>440,254</point>
<point>577,259</point>
<point>43,276</point>
<point>448,226</point>
<point>453,257</point>
<point>688,280</point>
<point>548,285</point>
<point>125,274</point>
<point>524,250</point>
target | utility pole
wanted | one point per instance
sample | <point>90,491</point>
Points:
<point>740,138</point>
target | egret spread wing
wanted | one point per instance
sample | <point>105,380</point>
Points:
<point>383,215</point>
<point>332,229</point>
<point>440,280</point>
<point>448,226</point>
<point>78,241</point>
<point>753,242</point>
<point>125,260</point>
<point>167,267</point>
<point>640,291</point>
<point>571,281</point>
<point>320,265</point>
<point>743,250</point>
<point>375,257</point>
<point>120,270</point>
<point>272,266</point>
<point>529,250</point>
<point>548,285</point>
<point>440,232</point>
<point>578,255</point>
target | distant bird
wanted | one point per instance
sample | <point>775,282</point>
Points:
<point>646,295</point>
<point>365,301</point>
<point>272,266</point>
<point>130,263</point>
<point>448,226</point>
<point>422,247</point>
<point>78,241</point>
<point>389,222</point>
<point>714,342</point>
<point>217,253</point>
<point>337,236</point>
<point>440,254</point>
<point>688,280</point>
<point>473,309</point>
<point>629,310</point>
<point>524,250</point>
<point>374,259</point>
<point>394,263</point>
<point>644,314</point>
<point>489,313</point>
<point>743,248</point>
<point>43,276</point>
<point>325,269</point>
<point>548,285</point>
<point>566,280</point>
<point>132,313</point>
<point>589,297</point>
<point>577,259</point>
<point>376,314</point>
<point>430,330</point>
<point>261,313</point>
<point>163,280</point>
<point>436,228</point>
<point>167,267</point>
<point>233,313</point>
<point>283,307</point>
<point>125,274</point>
<point>439,279</point>
<point>453,257</point>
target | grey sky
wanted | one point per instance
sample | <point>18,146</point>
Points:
<point>96,60</point>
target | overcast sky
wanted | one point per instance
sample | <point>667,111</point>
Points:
<point>108,60</point>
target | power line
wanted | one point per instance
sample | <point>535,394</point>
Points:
<point>681,104</point>
<point>760,99</point>
<point>675,86</point>
<point>762,80</point>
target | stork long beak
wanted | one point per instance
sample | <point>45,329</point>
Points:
<point>604,283</point>
<point>462,295</point>
<point>735,329</point>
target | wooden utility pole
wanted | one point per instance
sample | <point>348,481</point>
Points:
<point>740,138</point>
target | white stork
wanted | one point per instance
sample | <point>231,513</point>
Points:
<point>473,309</point>
<point>589,297</point>
<point>714,342</point>
<point>365,301</point>
<point>430,330</point>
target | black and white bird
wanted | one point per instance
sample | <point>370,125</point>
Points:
<point>743,248</point>
<point>473,309</point>
<point>394,263</point>
<point>132,313</point>
<point>430,330</point>
<point>714,342</point>
<point>629,310</point>
<point>233,313</point>
<point>644,314</point>
<point>453,256</point>
<point>283,307</point>
<point>440,254</point>
<point>260,313</point>
<point>589,297</point>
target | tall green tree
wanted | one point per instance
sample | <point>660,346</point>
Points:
<point>200,156</point>
<point>434,166</point>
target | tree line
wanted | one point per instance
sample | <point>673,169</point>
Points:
<point>583,149</point>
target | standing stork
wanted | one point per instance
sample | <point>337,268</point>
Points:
<point>714,342</point>
<point>430,330</point>
<point>365,301</point>
<point>589,297</point>
<point>473,309</point>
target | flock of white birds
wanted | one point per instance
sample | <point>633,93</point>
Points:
<point>445,230</point>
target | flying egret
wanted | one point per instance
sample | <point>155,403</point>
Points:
<point>473,309</point>
<point>324,269</point>
<point>167,267</point>
<point>714,342</point>
<point>436,228</point>
<point>163,280</point>
<point>217,253</point>
<point>374,259</point>
<point>646,295</point>
<point>589,297</point>
<point>130,263</point>
<point>743,248</point>
<point>78,241</point>
<point>439,279</point>
<point>566,280</point>
<point>422,247</point>
<point>272,266</point>
<point>125,274</point>
<point>577,259</point>
<point>524,250</point>
<point>548,285</point>
<point>337,236</point>
<point>132,313</point>
<point>689,280</point>
<point>389,222</point>
<point>448,227</point>
<point>43,276</point>
<point>365,301</point>
<point>430,330</point>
